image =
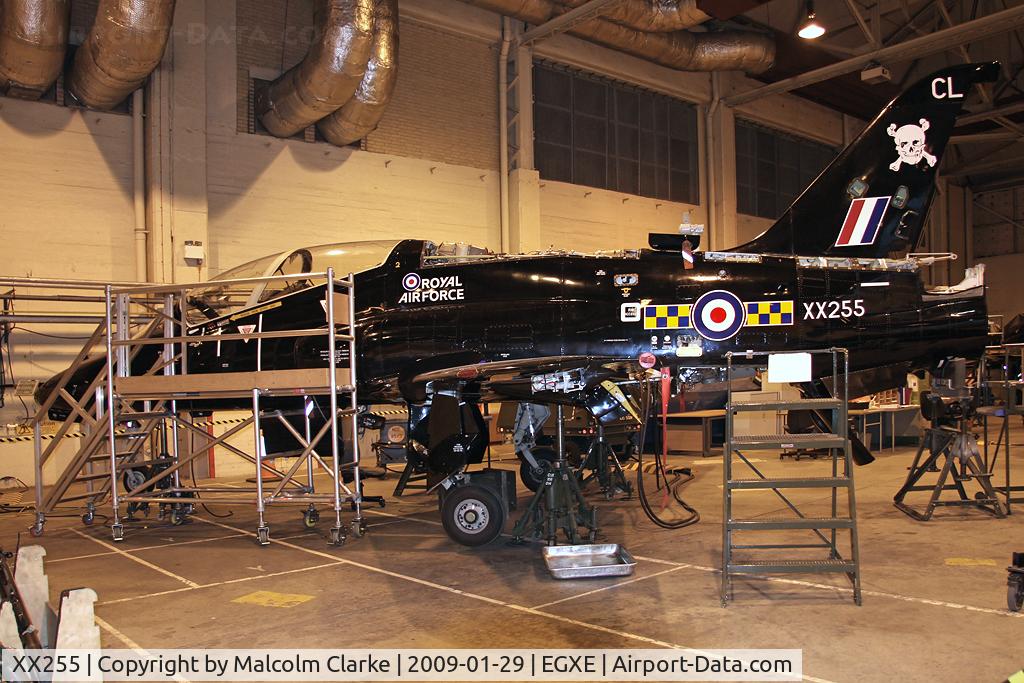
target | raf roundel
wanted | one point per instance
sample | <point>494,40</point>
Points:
<point>717,315</point>
<point>411,282</point>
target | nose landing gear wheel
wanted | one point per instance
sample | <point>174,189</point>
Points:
<point>472,515</point>
<point>533,477</point>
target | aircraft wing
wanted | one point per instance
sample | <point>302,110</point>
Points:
<point>527,369</point>
<point>581,380</point>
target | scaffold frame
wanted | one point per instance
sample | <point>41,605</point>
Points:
<point>132,424</point>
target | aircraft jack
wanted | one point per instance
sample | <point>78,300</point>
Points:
<point>963,462</point>
<point>557,504</point>
<point>605,468</point>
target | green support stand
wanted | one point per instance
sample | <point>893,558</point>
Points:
<point>557,504</point>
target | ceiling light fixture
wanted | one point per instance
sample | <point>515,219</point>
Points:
<point>810,28</point>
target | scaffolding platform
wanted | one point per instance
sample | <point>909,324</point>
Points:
<point>138,436</point>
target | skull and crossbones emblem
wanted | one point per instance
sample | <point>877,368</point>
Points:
<point>910,141</point>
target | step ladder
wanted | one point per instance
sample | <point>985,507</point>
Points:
<point>825,531</point>
<point>1001,392</point>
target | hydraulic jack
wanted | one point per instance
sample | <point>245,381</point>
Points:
<point>558,503</point>
<point>962,464</point>
<point>605,468</point>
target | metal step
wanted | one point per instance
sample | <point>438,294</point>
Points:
<point>778,441</point>
<point>91,477</point>
<point>791,566</point>
<point>797,404</point>
<point>781,523</point>
<point>790,483</point>
<point>151,415</point>
<point>105,457</point>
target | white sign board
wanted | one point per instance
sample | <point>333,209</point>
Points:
<point>789,367</point>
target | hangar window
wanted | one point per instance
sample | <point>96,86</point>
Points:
<point>772,168</point>
<point>596,132</point>
<point>997,215</point>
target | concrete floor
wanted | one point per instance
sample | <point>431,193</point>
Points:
<point>934,593</point>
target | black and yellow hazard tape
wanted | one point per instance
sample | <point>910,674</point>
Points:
<point>23,439</point>
<point>399,411</point>
<point>651,467</point>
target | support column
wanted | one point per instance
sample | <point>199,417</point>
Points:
<point>524,181</point>
<point>176,149</point>
<point>520,100</point>
<point>721,150</point>
<point>524,213</point>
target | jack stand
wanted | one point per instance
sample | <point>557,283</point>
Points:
<point>557,504</point>
<point>963,461</point>
<point>605,468</point>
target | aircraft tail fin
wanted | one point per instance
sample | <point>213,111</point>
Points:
<point>871,201</point>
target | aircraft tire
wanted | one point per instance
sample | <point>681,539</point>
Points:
<point>472,515</point>
<point>533,478</point>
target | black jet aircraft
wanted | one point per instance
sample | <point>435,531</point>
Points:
<point>445,327</point>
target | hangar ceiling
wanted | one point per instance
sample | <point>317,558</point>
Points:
<point>910,38</point>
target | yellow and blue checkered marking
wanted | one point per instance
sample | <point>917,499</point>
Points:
<point>767,313</point>
<point>758,314</point>
<point>666,316</point>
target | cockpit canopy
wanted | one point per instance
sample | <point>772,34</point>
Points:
<point>345,257</point>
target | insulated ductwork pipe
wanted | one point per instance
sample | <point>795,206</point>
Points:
<point>683,50</point>
<point>33,39</point>
<point>653,16</point>
<point>361,114</point>
<point>330,73</point>
<point>126,43</point>
<point>686,51</point>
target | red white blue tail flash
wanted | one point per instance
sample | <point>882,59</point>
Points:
<point>862,221</point>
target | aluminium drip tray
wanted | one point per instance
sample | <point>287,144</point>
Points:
<point>588,561</point>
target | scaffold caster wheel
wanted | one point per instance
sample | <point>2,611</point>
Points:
<point>1015,593</point>
<point>337,536</point>
<point>36,529</point>
<point>117,531</point>
<point>358,528</point>
<point>88,518</point>
<point>310,518</point>
<point>178,517</point>
<point>263,535</point>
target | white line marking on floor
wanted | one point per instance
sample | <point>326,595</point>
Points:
<point>607,588</point>
<point>218,583</point>
<point>138,559</point>
<point>844,589</point>
<point>145,547</point>
<point>303,535</point>
<point>403,517</point>
<point>865,592</point>
<point>131,644</point>
<point>380,524</point>
<point>482,598</point>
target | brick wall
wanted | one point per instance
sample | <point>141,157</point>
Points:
<point>272,36</point>
<point>82,14</point>
<point>445,105</point>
